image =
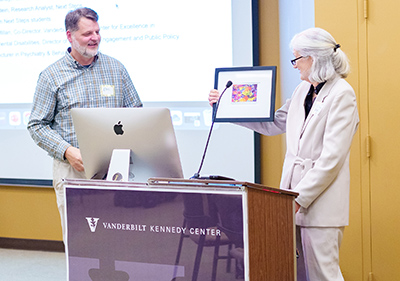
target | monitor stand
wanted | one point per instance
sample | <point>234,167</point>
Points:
<point>120,165</point>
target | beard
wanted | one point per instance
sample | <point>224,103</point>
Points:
<point>84,51</point>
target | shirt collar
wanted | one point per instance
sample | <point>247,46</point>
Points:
<point>317,89</point>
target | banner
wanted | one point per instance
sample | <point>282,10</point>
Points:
<point>148,234</point>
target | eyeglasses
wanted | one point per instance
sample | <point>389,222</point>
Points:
<point>293,61</point>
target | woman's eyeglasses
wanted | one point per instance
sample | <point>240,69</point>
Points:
<point>293,61</point>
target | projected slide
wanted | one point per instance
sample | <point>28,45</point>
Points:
<point>170,48</point>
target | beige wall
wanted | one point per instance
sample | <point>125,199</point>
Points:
<point>272,148</point>
<point>368,33</point>
<point>342,22</point>
<point>29,213</point>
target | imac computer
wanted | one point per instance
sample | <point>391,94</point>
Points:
<point>147,132</point>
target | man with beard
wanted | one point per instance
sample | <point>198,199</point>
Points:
<point>84,77</point>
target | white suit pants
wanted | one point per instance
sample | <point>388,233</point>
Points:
<point>319,253</point>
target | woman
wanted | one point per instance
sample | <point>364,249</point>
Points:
<point>320,120</point>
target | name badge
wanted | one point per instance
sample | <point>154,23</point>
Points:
<point>107,90</point>
<point>317,107</point>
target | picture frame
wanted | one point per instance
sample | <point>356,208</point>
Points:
<point>251,98</point>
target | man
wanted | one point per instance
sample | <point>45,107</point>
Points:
<point>82,78</point>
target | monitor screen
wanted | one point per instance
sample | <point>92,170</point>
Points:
<point>147,132</point>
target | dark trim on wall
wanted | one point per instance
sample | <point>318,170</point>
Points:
<point>257,157</point>
<point>256,29</point>
<point>256,62</point>
<point>25,182</point>
<point>30,244</point>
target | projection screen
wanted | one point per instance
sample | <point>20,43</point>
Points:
<point>170,49</point>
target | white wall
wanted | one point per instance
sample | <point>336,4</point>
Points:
<point>294,17</point>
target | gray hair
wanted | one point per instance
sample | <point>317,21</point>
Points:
<point>329,61</point>
<point>73,17</point>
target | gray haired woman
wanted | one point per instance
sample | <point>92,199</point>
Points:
<point>320,120</point>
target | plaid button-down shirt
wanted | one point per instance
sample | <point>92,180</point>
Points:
<point>66,84</point>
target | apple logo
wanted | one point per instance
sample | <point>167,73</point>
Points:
<point>117,177</point>
<point>118,128</point>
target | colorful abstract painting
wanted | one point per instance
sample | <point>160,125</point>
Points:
<point>244,93</point>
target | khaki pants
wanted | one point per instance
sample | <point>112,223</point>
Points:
<point>63,170</point>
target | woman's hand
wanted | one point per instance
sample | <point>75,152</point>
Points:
<point>297,207</point>
<point>213,97</point>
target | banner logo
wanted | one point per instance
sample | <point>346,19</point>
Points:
<point>92,222</point>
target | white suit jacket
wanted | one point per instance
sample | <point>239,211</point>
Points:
<point>318,148</point>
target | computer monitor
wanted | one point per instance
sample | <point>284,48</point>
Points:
<point>147,132</point>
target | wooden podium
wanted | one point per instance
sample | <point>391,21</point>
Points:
<point>268,236</point>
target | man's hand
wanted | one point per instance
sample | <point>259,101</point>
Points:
<point>73,155</point>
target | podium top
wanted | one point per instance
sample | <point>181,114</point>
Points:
<point>206,183</point>
<point>178,183</point>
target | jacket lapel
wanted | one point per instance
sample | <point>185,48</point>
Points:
<point>318,104</point>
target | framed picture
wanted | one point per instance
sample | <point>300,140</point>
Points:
<point>250,98</point>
